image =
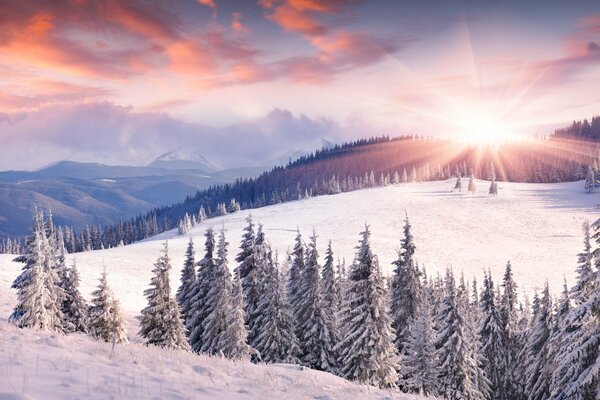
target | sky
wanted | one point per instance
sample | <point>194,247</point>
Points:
<point>123,82</point>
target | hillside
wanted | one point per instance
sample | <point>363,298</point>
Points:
<point>466,232</point>
<point>38,365</point>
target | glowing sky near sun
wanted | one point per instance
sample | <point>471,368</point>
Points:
<point>428,67</point>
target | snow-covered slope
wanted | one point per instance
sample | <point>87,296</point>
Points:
<point>37,365</point>
<point>536,226</point>
<point>184,159</point>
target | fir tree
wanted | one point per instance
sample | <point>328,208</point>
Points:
<point>513,366</point>
<point>538,350</point>
<point>160,321</point>
<point>491,338</point>
<point>458,184</point>
<point>331,290</point>
<point>368,354</point>
<point>234,344</point>
<point>294,293</point>
<point>471,188</point>
<point>418,366</point>
<point>218,302</point>
<point>317,333</point>
<point>590,180</point>
<point>198,297</point>
<point>188,278</point>
<point>276,342</point>
<point>457,366</point>
<point>406,290</point>
<point>74,306</point>
<point>104,319</point>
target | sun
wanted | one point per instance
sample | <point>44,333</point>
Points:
<point>478,126</point>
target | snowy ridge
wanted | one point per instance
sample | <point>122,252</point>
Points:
<point>184,159</point>
<point>36,365</point>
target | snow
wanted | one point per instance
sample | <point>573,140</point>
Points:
<point>536,226</point>
<point>35,365</point>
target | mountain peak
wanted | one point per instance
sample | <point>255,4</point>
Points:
<point>184,159</point>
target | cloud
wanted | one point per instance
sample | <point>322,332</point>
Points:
<point>104,132</point>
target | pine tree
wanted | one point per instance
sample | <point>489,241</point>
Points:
<point>491,338</point>
<point>74,306</point>
<point>160,320</point>
<point>404,176</point>
<point>331,290</point>
<point>234,344</point>
<point>218,302</point>
<point>104,320</point>
<point>316,331</point>
<point>471,188</point>
<point>457,366</point>
<point>294,293</point>
<point>538,350</point>
<point>367,350</point>
<point>406,290</point>
<point>458,184</point>
<point>198,296</point>
<point>493,188</point>
<point>276,342</point>
<point>188,278</point>
<point>418,365</point>
<point>590,180</point>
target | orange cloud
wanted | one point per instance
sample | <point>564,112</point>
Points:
<point>208,3</point>
<point>236,22</point>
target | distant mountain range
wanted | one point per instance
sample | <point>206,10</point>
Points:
<point>89,193</point>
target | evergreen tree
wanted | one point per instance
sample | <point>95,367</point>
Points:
<point>458,368</point>
<point>471,188</point>
<point>234,344</point>
<point>418,365</point>
<point>218,303</point>
<point>458,184</point>
<point>539,369</point>
<point>590,180</point>
<point>74,306</point>
<point>491,338</point>
<point>188,278</point>
<point>404,176</point>
<point>294,292</point>
<point>316,331</point>
<point>513,365</point>
<point>198,297</point>
<point>276,342</point>
<point>368,354</point>
<point>406,290</point>
<point>160,321</point>
<point>104,319</point>
<point>331,290</point>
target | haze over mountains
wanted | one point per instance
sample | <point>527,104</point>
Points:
<point>82,194</point>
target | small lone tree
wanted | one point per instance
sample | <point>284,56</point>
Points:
<point>458,184</point>
<point>104,320</point>
<point>471,188</point>
<point>590,180</point>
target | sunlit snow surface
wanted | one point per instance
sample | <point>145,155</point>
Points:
<point>536,226</point>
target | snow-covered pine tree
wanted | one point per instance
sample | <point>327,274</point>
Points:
<point>276,342</point>
<point>493,188</point>
<point>406,290</point>
<point>458,184</point>
<point>39,297</point>
<point>471,188</point>
<point>246,260</point>
<point>513,339</point>
<point>457,366</point>
<point>576,376</point>
<point>404,176</point>
<point>316,331</point>
<point>74,306</point>
<point>491,338</point>
<point>331,290</point>
<point>188,278</point>
<point>160,321</point>
<point>234,338</point>
<point>218,302</point>
<point>201,214</point>
<point>367,350</point>
<point>198,300</point>
<point>539,370</point>
<point>590,180</point>
<point>104,320</point>
<point>294,293</point>
<point>418,363</point>
<point>395,178</point>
